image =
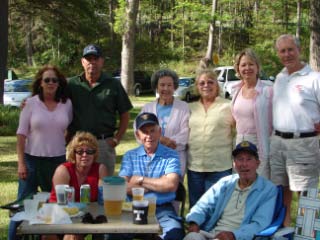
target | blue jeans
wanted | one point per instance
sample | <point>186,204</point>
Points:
<point>200,182</point>
<point>29,185</point>
<point>171,225</point>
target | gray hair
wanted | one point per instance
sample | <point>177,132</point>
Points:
<point>288,36</point>
<point>164,73</point>
<point>249,53</point>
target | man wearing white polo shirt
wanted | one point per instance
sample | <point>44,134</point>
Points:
<point>294,149</point>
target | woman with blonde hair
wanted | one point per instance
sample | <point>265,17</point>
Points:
<point>252,107</point>
<point>210,139</point>
<point>81,167</point>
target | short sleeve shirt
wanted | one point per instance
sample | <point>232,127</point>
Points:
<point>136,162</point>
<point>95,109</point>
<point>296,100</point>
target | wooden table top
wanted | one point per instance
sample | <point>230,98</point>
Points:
<point>121,224</point>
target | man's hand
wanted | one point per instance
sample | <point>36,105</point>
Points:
<point>225,236</point>
<point>23,104</point>
<point>168,142</point>
<point>317,127</point>
<point>111,142</point>
<point>193,227</point>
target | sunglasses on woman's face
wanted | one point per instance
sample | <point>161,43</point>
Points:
<point>82,151</point>
<point>48,80</point>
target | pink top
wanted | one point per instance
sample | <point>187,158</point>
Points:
<point>44,129</point>
<point>243,114</point>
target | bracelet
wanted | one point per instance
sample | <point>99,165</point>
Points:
<point>115,141</point>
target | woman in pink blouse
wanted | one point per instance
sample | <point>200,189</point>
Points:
<point>252,107</point>
<point>40,135</point>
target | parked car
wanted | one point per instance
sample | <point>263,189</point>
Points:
<point>227,79</point>
<point>11,75</point>
<point>186,89</point>
<point>142,81</point>
<point>15,91</point>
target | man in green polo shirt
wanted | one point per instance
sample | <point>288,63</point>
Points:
<point>97,101</point>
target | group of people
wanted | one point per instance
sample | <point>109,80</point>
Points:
<point>275,128</point>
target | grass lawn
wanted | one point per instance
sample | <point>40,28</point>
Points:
<point>8,164</point>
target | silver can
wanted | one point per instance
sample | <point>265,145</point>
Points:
<point>85,193</point>
<point>70,194</point>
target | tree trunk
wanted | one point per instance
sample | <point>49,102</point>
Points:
<point>298,30</point>
<point>315,35</point>
<point>29,48</point>
<point>128,40</point>
<point>207,60</point>
<point>111,20</point>
<point>3,44</point>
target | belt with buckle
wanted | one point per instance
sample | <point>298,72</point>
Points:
<point>295,135</point>
<point>104,136</point>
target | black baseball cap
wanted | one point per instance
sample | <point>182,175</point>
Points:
<point>92,49</point>
<point>146,118</point>
<point>245,146</point>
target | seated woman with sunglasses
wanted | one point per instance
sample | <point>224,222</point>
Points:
<point>81,167</point>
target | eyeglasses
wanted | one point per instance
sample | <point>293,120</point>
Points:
<point>82,151</point>
<point>209,83</point>
<point>53,80</point>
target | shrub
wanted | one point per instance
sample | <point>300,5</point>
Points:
<point>9,120</point>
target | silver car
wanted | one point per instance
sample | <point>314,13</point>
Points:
<point>186,90</point>
<point>15,91</point>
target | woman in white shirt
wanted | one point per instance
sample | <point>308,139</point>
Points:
<point>173,114</point>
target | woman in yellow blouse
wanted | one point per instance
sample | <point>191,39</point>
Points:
<point>210,140</point>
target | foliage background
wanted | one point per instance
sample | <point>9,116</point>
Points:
<point>170,33</point>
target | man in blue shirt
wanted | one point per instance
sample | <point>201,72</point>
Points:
<point>237,206</point>
<point>156,168</point>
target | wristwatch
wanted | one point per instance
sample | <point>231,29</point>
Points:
<point>140,180</point>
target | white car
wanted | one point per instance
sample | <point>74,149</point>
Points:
<point>15,91</point>
<point>227,79</point>
<point>186,89</point>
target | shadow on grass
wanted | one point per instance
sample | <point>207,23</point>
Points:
<point>8,145</point>
<point>8,171</point>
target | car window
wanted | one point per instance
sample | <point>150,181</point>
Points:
<point>232,75</point>
<point>21,86</point>
<point>184,82</point>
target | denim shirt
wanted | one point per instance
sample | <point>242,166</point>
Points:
<point>258,213</point>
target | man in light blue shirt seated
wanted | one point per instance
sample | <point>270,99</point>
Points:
<point>156,168</point>
<point>237,206</point>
